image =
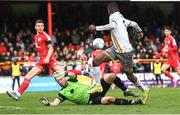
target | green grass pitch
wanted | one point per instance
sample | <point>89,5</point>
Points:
<point>161,101</point>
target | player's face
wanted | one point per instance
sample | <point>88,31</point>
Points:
<point>62,82</point>
<point>167,32</point>
<point>39,27</point>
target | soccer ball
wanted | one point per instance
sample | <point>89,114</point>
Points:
<point>98,43</point>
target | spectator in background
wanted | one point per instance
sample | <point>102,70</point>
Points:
<point>75,37</point>
<point>15,73</point>
<point>157,72</point>
<point>3,48</point>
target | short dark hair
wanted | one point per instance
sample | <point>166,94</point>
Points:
<point>113,7</point>
<point>168,28</point>
<point>39,21</point>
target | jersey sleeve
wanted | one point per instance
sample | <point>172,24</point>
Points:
<point>47,38</point>
<point>111,25</point>
<point>173,46</point>
<point>132,24</point>
<point>61,97</point>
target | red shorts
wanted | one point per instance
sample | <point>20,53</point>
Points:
<point>174,63</point>
<point>52,63</point>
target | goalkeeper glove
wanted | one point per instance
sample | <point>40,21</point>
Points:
<point>44,101</point>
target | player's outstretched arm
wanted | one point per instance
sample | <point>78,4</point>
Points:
<point>109,26</point>
<point>135,26</point>
<point>50,51</point>
<point>45,101</point>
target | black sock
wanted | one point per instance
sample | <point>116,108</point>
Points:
<point>105,86</point>
<point>122,102</point>
<point>120,84</point>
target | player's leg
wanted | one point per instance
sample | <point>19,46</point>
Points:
<point>135,80</point>
<point>13,84</point>
<point>138,83</point>
<point>18,81</point>
<point>127,63</point>
<point>164,68</point>
<point>118,101</point>
<point>178,70</point>
<point>177,66</point>
<point>16,95</point>
<point>161,80</point>
<point>57,68</point>
<point>157,81</point>
<point>112,78</point>
<point>100,58</point>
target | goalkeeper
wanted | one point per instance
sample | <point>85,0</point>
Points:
<point>76,92</point>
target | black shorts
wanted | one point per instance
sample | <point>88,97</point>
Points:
<point>95,98</point>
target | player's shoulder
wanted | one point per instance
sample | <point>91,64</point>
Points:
<point>46,35</point>
<point>36,36</point>
<point>115,15</point>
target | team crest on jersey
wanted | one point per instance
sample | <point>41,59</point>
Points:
<point>39,39</point>
<point>168,42</point>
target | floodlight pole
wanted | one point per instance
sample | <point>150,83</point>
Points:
<point>49,12</point>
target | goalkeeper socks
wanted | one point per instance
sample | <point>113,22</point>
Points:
<point>122,102</point>
<point>105,86</point>
<point>169,75</point>
<point>120,84</point>
<point>140,85</point>
<point>23,86</point>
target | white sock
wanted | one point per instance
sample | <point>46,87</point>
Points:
<point>140,85</point>
<point>96,73</point>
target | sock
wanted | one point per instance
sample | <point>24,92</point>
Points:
<point>169,75</point>
<point>140,85</point>
<point>96,73</point>
<point>120,84</point>
<point>105,86</point>
<point>76,72</point>
<point>23,86</point>
<point>122,102</point>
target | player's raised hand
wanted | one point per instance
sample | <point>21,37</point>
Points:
<point>140,34</point>
<point>92,28</point>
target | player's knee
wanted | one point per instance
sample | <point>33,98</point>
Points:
<point>112,76</point>
<point>106,101</point>
<point>163,71</point>
<point>95,63</point>
<point>129,72</point>
<point>28,76</point>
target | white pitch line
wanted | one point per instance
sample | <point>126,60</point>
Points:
<point>10,107</point>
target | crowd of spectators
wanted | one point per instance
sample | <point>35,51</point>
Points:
<point>75,44</point>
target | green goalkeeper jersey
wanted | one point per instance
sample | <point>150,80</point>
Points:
<point>76,92</point>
